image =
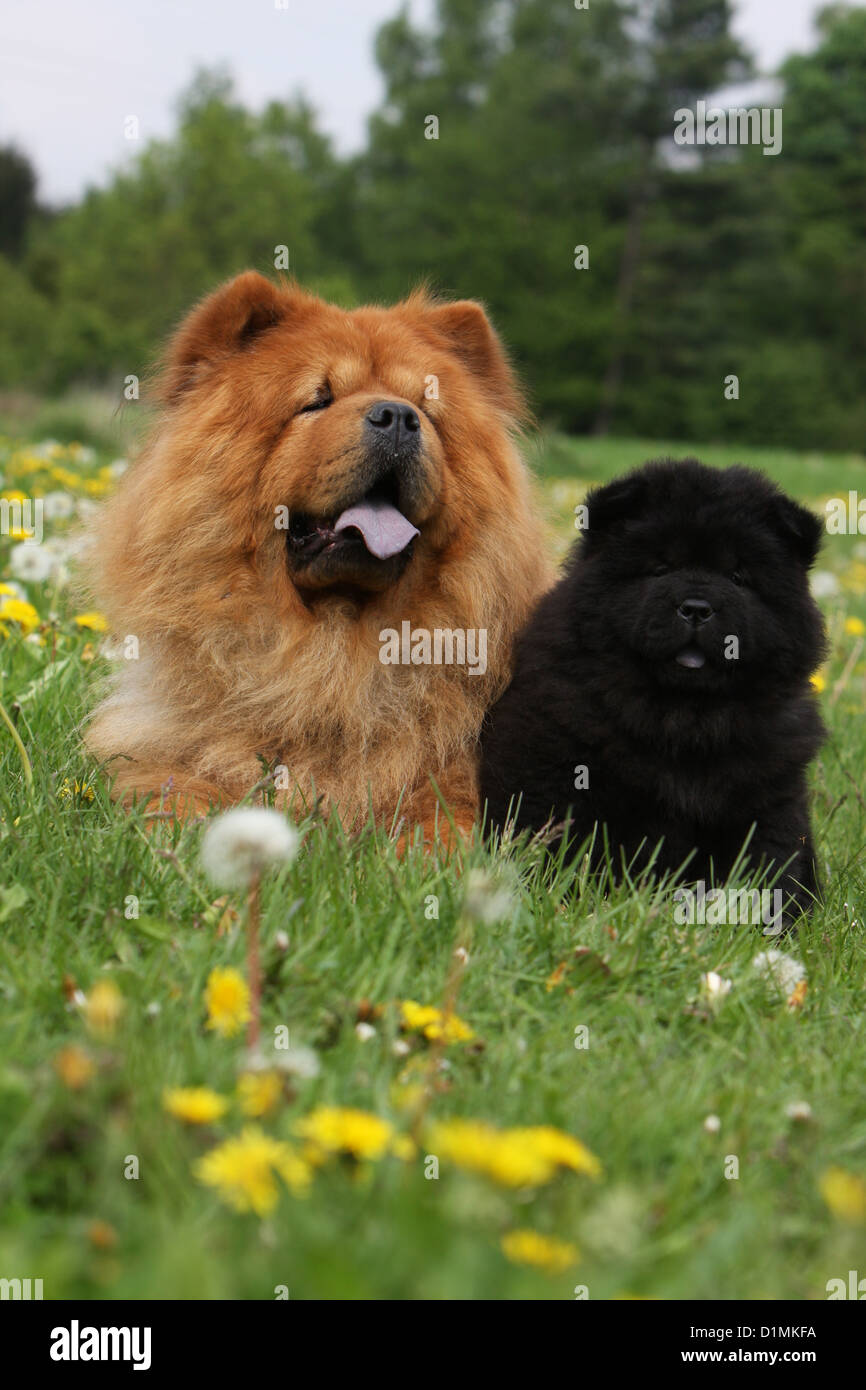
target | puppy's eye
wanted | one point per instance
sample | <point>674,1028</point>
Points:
<point>320,401</point>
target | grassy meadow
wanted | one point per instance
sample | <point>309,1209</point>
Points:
<point>720,1123</point>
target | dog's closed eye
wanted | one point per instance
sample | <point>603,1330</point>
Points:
<point>322,399</point>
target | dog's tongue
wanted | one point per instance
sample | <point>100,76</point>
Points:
<point>385,530</point>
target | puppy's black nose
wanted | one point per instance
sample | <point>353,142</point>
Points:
<point>695,610</point>
<point>394,422</point>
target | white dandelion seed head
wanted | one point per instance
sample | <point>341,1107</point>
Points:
<point>30,562</point>
<point>46,448</point>
<point>400,1047</point>
<point>301,1062</point>
<point>57,506</point>
<point>712,1124</point>
<point>241,844</point>
<point>799,1110</point>
<point>823,584</point>
<point>779,971</point>
<point>364,1032</point>
<point>487,899</point>
<point>117,467</point>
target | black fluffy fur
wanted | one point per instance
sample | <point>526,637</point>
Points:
<point>696,756</point>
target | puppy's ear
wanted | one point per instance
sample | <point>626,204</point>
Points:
<point>800,529</point>
<point>614,502</point>
<point>470,336</point>
<point>227,320</point>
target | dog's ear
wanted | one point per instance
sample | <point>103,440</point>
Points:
<point>800,529</point>
<point>469,334</point>
<point>616,501</point>
<point>227,320</point>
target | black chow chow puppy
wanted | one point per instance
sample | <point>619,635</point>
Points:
<point>662,687</point>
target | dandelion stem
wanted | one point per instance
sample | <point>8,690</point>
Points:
<point>253,968</point>
<point>22,751</point>
<point>449,1008</point>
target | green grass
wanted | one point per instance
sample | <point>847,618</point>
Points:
<point>663,1220</point>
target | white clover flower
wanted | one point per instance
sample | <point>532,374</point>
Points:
<point>364,1032</point>
<point>487,899</point>
<point>241,844</point>
<point>400,1047</point>
<point>823,584</point>
<point>712,1124</point>
<point>30,562</point>
<point>713,986</point>
<point>782,973</point>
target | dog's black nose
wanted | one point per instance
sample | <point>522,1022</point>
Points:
<point>395,421</point>
<point>695,610</point>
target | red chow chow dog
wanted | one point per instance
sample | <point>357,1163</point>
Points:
<point>328,521</point>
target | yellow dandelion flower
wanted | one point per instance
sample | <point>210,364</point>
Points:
<point>561,1148</point>
<point>818,682</point>
<point>74,1067</point>
<point>520,1157</point>
<point>403,1147</point>
<point>797,997</point>
<point>243,1170</point>
<point>332,1129</point>
<point>480,1148</point>
<point>18,610</point>
<point>259,1092</point>
<point>845,1194</point>
<point>64,476</point>
<point>527,1247</point>
<point>69,791</point>
<point>95,622</point>
<point>195,1105</point>
<point>103,1008</point>
<point>426,1019</point>
<point>855,627</point>
<point>227,997</point>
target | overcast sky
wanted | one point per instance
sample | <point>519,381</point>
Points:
<point>72,70</point>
